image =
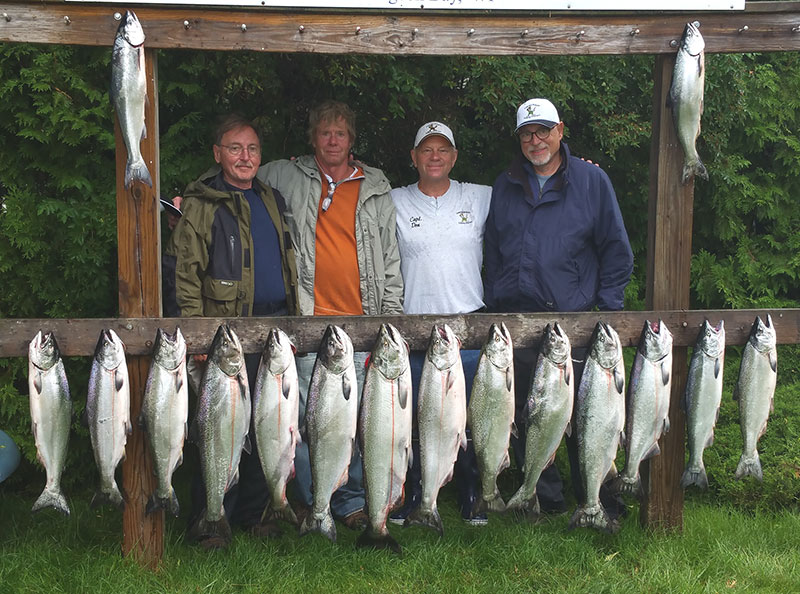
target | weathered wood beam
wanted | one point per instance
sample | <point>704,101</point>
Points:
<point>772,26</point>
<point>78,337</point>
<point>139,257</point>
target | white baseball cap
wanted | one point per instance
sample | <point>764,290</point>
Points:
<point>537,111</point>
<point>434,129</point>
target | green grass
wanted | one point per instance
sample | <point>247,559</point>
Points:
<point>719,550</point>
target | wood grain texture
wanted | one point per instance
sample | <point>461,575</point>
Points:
<point>78,337</point>
<point>139,257</point>
<point>769,28</point>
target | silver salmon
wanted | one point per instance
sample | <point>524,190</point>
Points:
<point>702,399</point>
<point>331,419</point>
<point>755,390</point>
<point>647,406</point>
<point>108,412</point>
<point>51,413</point>
<point>686,98</point>
<point>490,414</point>
<point>276,403</point>
<point>442,420</point>
<point>385,432</point>
<point>129,93</point>
<point>222,427</point>
<point>165,409</point>
<point>600,420</point>
<point>549,409</point>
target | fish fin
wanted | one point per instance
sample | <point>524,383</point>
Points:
<point>695,168</point>
<point>567,376</point>
<point>37,381</point>
<point>119,381</point>
<point>666,425</point>
<point>619,380</point>
<point>666,370</point>
<point>594,517</point>
<point>426,517</point>
<point>653,451</point>
<point>324,525</point>
<point>449,380</point>
<point>529,506</point>
<point>403,392</point>
<point>285,387</point>
<point>347,386</point>
<point>144,126</point>
<point>773,361</point>
<point>568,429</point>
<point>514,430</point>
<point>696,477</point>
<point>112,496</point>
<point>247,446</point>
<point>749,467</point>
<point>52,498</point>
<point>710,440</point>
<point>371,539</point>
<point>464,442</point>
<point>178,382</point>
<point>717,367</point>
<point>243,386</point>
<point>509,378</point>
<point>612,473</point>
<point>204,529</point>
<point>128,428</point>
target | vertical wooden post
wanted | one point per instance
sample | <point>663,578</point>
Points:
<point>669,252</point>
<point>139,257</point>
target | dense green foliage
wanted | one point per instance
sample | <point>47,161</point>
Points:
<point>57,220</point>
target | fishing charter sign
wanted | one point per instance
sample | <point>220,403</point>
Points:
<point>525,5</point>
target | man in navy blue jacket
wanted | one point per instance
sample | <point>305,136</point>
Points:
<point>554,241</point>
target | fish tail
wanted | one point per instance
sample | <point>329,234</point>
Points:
<point>372,539</point>
<point>169,503</point>
<point>529,506</point>
<point>696,477</point>
<point>324,525</point>
<point>625,485</point>
<point>137,170</point>
<point>283,512</point>
<point>108,494</point>
<point>53,498</point>
<point>426,517</point>
<point>694,168</point>
<point>593,517</point>
<point>495,503</point>
<point>749,466</point>
<point>207,529</point>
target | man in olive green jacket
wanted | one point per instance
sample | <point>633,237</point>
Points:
<point>231,255</point>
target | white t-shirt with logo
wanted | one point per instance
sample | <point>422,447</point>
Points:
<point>441,247</point>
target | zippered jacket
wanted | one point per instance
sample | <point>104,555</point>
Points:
<point>381,280</point>
<point>563,248</point>
<point>207,265</point>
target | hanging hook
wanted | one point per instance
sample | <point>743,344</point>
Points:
<point>580,34</point>
<point>358,30</point>
<point>744,29</point>
<point>634,32</point>
<point>6,17</point>
<point>66,20</point>
<point>301,28</point>
<point>186,24</point>
<point>244,28</point>
<point>471,32</point>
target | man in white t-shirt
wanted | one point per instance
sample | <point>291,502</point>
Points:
<point>440,224</point>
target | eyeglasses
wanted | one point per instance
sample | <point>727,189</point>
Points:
<point>235,150</point>
<point>542,133</point>
<point>328,200</point>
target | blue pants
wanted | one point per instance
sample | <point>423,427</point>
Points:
<point>9,456</point>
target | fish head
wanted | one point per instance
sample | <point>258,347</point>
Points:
<point>762,334</point>
<point>169,350</point>
<point>226,351</point>
<point>656,340</point>
<point>711,339</point>
<point>336,349</point>
<point>390,352</point>
<point>555,344</point>
<point>692,42</point>
<point>279,351</point>
<point>444,347</point>
<point>43,350</point>
<point>130,29</point>
<point>498,346</point>
<point>110,351</point>
<point>606,348</point>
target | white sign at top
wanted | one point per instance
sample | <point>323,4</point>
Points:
<point>523,5</point>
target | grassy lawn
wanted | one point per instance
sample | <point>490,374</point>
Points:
<point>720,550</point>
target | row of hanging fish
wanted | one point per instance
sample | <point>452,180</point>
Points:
<point>603,417</point>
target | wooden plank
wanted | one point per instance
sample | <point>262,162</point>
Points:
<point>78,337</point>
<point>668,283</point>
<point>531,33</point>
<point>139,256</point>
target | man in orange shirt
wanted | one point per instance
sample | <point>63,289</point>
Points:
<point>342,222</point>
